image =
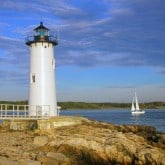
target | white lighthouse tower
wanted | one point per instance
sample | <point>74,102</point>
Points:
<point>42,91</point>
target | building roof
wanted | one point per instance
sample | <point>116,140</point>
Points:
<point>41,27</point>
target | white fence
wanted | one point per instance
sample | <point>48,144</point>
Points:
<point>8,111</point>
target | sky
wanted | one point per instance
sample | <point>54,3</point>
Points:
<point>107,50</point>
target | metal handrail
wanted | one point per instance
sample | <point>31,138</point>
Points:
<point>24,111</point>
<point>52,39</point>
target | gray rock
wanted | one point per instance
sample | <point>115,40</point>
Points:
<point>40,140</point>
<point>28,162</point>
<point>7,161</point>
<point>58,157</point>
<point>87,142</point>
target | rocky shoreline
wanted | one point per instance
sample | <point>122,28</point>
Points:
<point>79,141</point>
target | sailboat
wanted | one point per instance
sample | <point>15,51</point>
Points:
<point>135,106</point>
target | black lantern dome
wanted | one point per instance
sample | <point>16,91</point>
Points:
<point>41,34</point>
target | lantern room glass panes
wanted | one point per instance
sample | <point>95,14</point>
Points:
<point>41,32</point>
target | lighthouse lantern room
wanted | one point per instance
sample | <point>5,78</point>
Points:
<point>42,91</point>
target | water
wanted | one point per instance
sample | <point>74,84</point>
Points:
<point>154,118</point>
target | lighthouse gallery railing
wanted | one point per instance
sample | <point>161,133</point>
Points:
<point>33,39</point>
<point>8,111</point>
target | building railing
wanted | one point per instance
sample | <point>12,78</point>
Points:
<point>34,39</point>
<point>8,111</point>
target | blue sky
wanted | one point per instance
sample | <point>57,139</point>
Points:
<point>107,48</point>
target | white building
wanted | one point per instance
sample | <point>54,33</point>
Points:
<point>42,91</point>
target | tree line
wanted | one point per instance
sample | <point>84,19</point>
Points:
<point>85,105</point>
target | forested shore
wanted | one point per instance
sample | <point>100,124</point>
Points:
<point>85,105</point>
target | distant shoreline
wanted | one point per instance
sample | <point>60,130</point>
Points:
<point>111,109</point>
<point>70,105</point>
<point>108,106</point>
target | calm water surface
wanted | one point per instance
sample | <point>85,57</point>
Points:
<point>153,117</point>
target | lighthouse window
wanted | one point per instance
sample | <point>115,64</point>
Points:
<point>33,78</point>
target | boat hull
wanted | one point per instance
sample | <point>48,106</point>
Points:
<point>137,112</point>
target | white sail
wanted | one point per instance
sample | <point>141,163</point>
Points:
<point>133,107</point>
<point>136,103</point>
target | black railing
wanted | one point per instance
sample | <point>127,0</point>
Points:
<point>33,39</point>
